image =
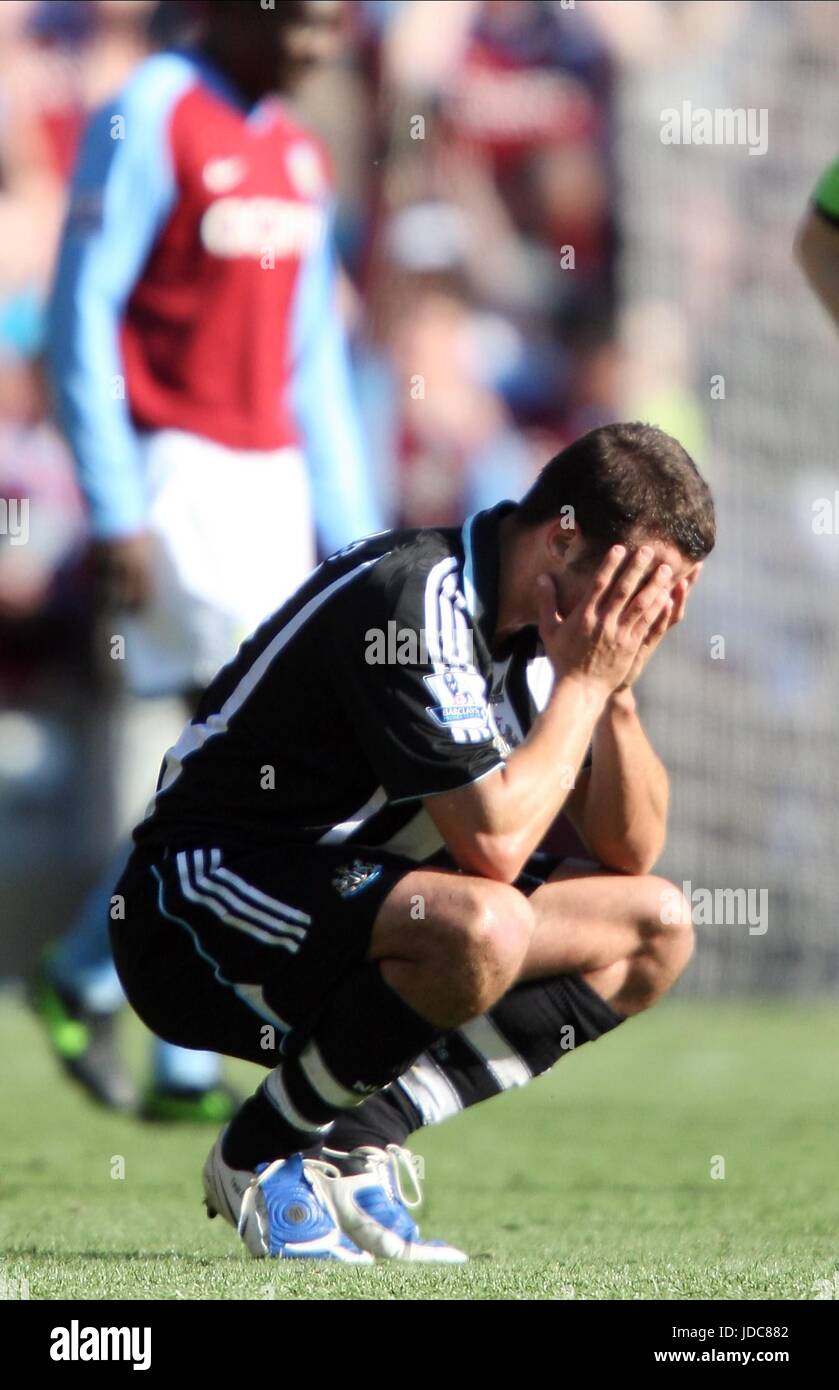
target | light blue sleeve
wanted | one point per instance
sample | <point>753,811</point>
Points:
<point>343,482</point>
<point>121,194</point>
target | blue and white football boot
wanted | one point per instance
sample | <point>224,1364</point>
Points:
<point>374,1209</point>
<point>282,1211</point>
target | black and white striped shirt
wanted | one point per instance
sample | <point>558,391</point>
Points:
<point>372,687</point>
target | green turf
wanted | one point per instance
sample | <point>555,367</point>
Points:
<point>593,1183</point>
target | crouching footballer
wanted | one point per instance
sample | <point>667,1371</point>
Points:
<point>338,878</point>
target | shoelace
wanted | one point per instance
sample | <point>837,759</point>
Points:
<point>328,1169</point>
<point>402,1161</point>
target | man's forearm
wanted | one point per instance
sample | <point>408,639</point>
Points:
<point>625,818</point>
<point>540,773</point>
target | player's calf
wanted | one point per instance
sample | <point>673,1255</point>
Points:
<point>377,1020</point>
<point>628,936</point>
<point>663,946</point>
<point>604,947</point>
<point>388,1010</point>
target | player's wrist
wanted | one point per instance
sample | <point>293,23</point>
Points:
<point>582,686</point>
<point>621,702</point>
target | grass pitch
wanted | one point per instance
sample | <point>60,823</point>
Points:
<point>592,1183</point>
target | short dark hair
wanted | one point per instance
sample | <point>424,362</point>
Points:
<point>623,479</point>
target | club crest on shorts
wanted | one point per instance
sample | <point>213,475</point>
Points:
<point>353,878</point>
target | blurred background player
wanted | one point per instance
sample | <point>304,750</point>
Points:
<point>817,244</point>
<point>200,370</point>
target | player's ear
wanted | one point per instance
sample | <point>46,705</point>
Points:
<point>560,534</point>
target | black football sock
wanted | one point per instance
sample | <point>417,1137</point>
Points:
<point>386,1118</point>
<point>249,1138</point>
<point>366,1037</point>
<point>530,1029</point>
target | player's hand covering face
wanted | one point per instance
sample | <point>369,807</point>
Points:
<point>611,632</point>
<point>668,619</point>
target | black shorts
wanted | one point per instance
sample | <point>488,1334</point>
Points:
<point>237,951</point>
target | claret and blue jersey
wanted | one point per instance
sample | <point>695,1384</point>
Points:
<point>195,290</point>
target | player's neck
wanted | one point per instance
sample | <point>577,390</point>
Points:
<point>251,92</point>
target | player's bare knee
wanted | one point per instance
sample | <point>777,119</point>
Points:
<point>665,920</point>
<point>505,924</point>
<point>665,945</point>
<point>489,943</point>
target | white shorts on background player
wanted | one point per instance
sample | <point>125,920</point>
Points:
<point>232,536</point>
